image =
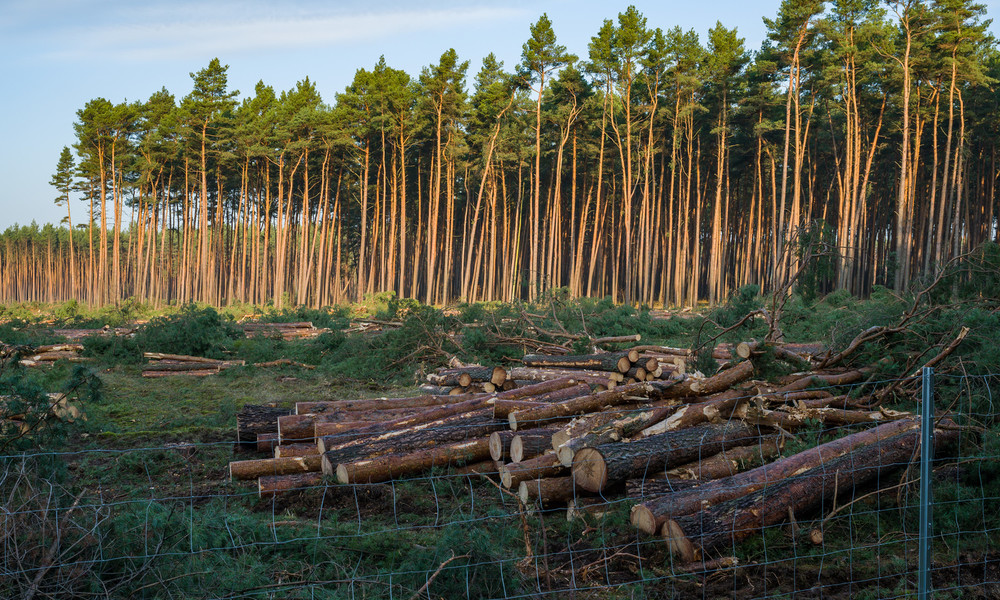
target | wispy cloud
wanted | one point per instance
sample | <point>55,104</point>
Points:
<point>181,31</point>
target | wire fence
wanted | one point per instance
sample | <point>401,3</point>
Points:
<point>166,522</point>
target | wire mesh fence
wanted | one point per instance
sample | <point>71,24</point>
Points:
<point>166,521</point>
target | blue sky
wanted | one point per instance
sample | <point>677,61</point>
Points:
<point>58,54</point>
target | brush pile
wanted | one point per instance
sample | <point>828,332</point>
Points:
<point>701,457</point>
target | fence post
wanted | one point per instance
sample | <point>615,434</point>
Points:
<point>926,455</point>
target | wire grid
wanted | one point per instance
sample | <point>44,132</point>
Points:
<point>165,522</point>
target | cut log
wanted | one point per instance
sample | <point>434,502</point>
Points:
<point>503,408</point>
<point>424,401</point>
<point>187,373</point>
<point>716,407</point>
<point>436,390</point>
<point>325,428</point>
<point>692,536</point>
<point>546,465</point>
<point>611,361</point>
<point>544,492</point>
<point>584,404</point>
<point>500,445</point>
<point>618,339</point>
<point>472,425</point>
<point>529,444</point>
<point>178,367</point>
<point>269,486</point>
<point>254,419</point>
<point>283,362</point>
<point>650,516</point>
<point>823,380</point>
<point>179,357</point>
<point>613,431</point>
<point>729,462</point>
<point>465,376</point>
<point>710,385</point>
<point>645,488</point>
<point>387,467</point>
<point>290,450</point>
<point>251,469</point>
<point>598,468</point>
<point>266,442</point>
<point>549,374</point>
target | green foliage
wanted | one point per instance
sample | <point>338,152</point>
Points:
<point>193,331</point>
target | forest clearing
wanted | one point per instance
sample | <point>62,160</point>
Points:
<point>502,450</point>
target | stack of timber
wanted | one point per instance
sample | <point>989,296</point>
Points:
<point>467,379</point>
<point>46,355</point>
<point>167,365</point>
<point>702,459</point>
<point>286,331</point>
<point>79,334</point>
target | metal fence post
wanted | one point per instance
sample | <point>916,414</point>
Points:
<point>926,455</point>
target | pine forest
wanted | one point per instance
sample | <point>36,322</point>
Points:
<point>857,146</point>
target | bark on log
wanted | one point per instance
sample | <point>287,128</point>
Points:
<point>269,486</point>
<point>324,428</point>
<point>291,450</point>
<point>710,385</point>
<point>503,408</point>
<point>529,444</point>
<point>472,425</point>
<point>614,431</point>
<point>549,374</point>
<point>650,516</point>
<point>598,468</point>
<point>729,462</point>
<point>266,442</point>
<point>423,401</point>
<point>465,376</point>
<point>645,488</point>
<point>179,357</point>
<point>546,465</point>
<point>547,491</point>
<point>384,468</point>
<point>717,407</point>
<point>618,339</point>
<point>192,373</point>
<point>823,380</point>
<point>611,361</point>
<point>254,419</point>
<point>584,404</point>
<point>692,536</point>
<point>251,469</point>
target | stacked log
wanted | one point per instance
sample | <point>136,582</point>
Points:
<point>47,355</point>
<point>167,365</point>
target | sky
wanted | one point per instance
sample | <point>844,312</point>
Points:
<point>55,55</point>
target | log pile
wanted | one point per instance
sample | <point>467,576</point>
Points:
<point>14,413</point>
<point>701,457</point>
<point>79,334</point>
<point>46,355</point>
<point>286,331</point>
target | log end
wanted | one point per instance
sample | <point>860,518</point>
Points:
<point>499,376</point>
<point>465,379</point>
<point>505,477</point>
<point>677,543</point>
<point>624,364</point>
<point>512,419</point>
<point>516,449</point>
<point>589,470</point>
<point>524,493</point>
<point>565,455</point>
<point>343,476</point>
<point>329,469</point>
<point>643,519</point>
<point>496,446</point>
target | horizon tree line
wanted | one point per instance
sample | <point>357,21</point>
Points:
<point>657,168</point>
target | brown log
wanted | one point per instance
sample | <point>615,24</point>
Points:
<point>325,428</point>
<point>254,419</point>
<point>283,362</point>
<point>169,366</point>
<point>692,536</point>
<point>187,373</point>
<point>823,380</point>
<point>713,409</point>
<point>729,462</point>
<point>59,348</point>
<point>709,385</point>
<point>611,361</point>
<point>645,488</point>
<point>618,339</point>
<point>602,466</point>
<point>503,408</point>
<point>529,444</point>
<point>650,516</point>
<point>547,491</point>
<point>551,373</point>
<point>587,423</point>
<point>251,469</point>
<point>465,376</point>
<point>384,468</point>
<point>546,465</point>
<point>584,404</point>
<point>638,373</point>
<point>424,401</point>
<point>266,442</point>
<point>500,445</point>
<point>436,390</point>
<point>792,418</point>
<point>614,431</point>
<point>269,486</point>
<point>289,450</point>
<point>179,358</point>
<point>472,425</point>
